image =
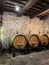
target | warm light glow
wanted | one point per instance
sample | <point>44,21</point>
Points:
<point>17,8</point>
<point>1,33</point>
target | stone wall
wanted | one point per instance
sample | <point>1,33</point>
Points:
<point>22,25</point>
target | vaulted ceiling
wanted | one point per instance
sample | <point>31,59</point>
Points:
<point>29,8</point>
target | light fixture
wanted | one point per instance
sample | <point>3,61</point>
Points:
<point>17,8</point>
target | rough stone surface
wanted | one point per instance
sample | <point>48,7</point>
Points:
<point>41,58</point>
<point>23,25</point>
<point>37,58</point>
<point>4,59</point>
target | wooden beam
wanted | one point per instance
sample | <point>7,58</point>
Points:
<point>43,13</point>
<point>31,10</point>
<point>10,9</point>
<point>46,6</point>
<point>42,3</point>
<point>8,6</point>
<point>13,3</point>
<point>20,2</point>
<point>27,6</point>
<point>35,8</point>
<point>40,11</point>
<point>45,1</point>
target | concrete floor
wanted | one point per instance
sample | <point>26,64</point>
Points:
<point>4,59</point>
<point>37,58</point>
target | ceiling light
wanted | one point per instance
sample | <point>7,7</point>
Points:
<point>17,8</point>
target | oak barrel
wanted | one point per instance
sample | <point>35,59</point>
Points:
<point>33,41</point>
<point>20,42</point>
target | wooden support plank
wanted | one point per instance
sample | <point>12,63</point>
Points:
<point>2,2</point>
<point>44,13</point>
<point>13,3</point>
<point>1,18</point>
<point>40,11</point>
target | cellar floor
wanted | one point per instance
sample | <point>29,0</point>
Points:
<point>4,59</point>
<point>37,58</point>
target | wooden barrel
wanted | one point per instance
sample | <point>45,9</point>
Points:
<point>34,41</point>
<point>44,39</point>
<point>20,42</point>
